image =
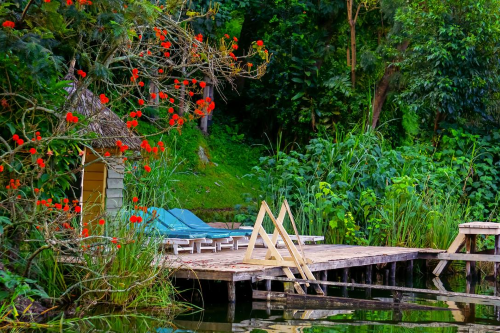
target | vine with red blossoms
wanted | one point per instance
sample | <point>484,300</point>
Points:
<point>135,57</point>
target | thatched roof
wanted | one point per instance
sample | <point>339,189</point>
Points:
<point>102,121</point>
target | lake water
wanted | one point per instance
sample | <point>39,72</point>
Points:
<point>256,317</point>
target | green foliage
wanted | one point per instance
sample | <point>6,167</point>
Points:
<point>356,190</point>
<point>450,64</point>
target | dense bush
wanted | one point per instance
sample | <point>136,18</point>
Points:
<point>357,190</point>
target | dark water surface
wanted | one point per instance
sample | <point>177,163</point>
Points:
<point>248,316</point>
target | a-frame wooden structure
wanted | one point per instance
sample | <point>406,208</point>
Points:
<point>273,257</point>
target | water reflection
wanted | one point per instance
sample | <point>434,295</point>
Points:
<point>459,316</point>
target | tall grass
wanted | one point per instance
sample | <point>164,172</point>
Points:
<point>354,189</point>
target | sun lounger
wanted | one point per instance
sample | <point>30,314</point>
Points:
<point>193,221</point>
<point>221,238</point>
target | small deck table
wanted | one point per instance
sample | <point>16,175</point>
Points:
<point>467,237</point>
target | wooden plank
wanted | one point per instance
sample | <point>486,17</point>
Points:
<point>470,297</point>
<point>93,175</point>
<point>455,246</point>
<point>325,302</point>
<point>469,257</point>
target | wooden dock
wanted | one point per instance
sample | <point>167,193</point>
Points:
<point>227,265</point>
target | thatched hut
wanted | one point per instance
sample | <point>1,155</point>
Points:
<point>101,183</point>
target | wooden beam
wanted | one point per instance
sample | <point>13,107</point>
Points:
<point>325,302</point>
<point>455,246</point>
<point>469,257</point>
<point>382,287</point>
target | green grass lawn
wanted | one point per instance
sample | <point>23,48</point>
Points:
<point>221,188</point>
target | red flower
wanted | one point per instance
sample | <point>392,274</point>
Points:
<point>203,84</point>
<point>8,24</point>
<point>235,47</point>
<point>20,141</point>
<point>180,121</point>
<point>185,82</point>
<point>134,123</point>
<point>170,110</point>
<point>69,2</point>
<point>141,84</point>
<point>166,54</point>
<point>191,93</point>
<point>66,208</point>
<point>176,81</point>
<point>171,122</point>
<point>139,112</point>
<point>235,39</point>
<point>260,43</point>
<point>153,96</point>
<point>103,98</point>
<point>78,209</point>
<point>172,100</point>
<point>119,143</point>
<point>133,219</point>
<point>15,137</point>
<point>81,73</point>
<point>160,71</point>
<point>249,65</point>
<point>226,35</point>
<point>147,168</point>
<point>118,246</point>
<point>135,199</point>
<point>65,200</point>
<point>133,114</point>
<point>46,0</point>
<point>160,143</point>
<point>140,101</point>
<point>194,81</point>
<point>107,154</point>
<point>175,117</point>
<point>70,118</point>
<point>139,219</point>
<point>1,168</point>
<point>101,221</point>
<point>114,240</point>
<point>32,151</point>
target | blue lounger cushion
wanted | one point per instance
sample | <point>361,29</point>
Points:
<point>156,227</point>
<point>193,221</point>
<point>175,225</point>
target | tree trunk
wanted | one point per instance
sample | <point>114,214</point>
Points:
<point>204,119</point>
<point>383,87</point>
<point>353,54</point>
<point>381,94</point>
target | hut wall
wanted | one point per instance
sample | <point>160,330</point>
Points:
<point>114,185</point>
<point>94,188</point>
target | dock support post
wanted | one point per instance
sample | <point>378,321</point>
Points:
<point>231,311</point>
<point>409,273</point>
<point>324,277</point>
<point>345,278</point>
<point>288,287</point>
<point>268,285</point>
<point>497,265</point>
<point>231,291</point>
<point>368,274</point>
<point>392,280</point>
<point>368,280</point>
<point>470,247</point>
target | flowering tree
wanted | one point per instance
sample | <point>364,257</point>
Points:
<point>134,56</point>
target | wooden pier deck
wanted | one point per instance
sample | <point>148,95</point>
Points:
<point>227,265</point>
